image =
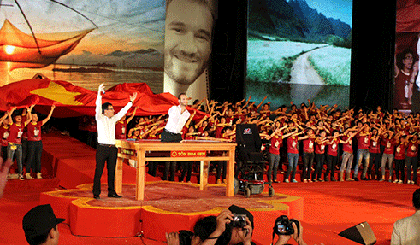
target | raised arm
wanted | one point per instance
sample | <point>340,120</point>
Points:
<point>124,110</point>
<point>4,117</point>
<point>28,115</point>
<point>98,109</point>
<point>132,115</point>
<point>9,113</point>
<point>49,115</point>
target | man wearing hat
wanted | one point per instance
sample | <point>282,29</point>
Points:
<point>40,225</point>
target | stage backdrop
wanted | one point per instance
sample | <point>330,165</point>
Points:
<point>83,42</point>
<point>299,50</point>
<point>110,42</point>
<point>406,83</point>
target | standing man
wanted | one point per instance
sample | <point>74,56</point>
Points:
<point>106,151</point>
<point>177,117</point>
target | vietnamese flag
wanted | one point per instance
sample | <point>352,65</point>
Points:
<point>72,101</point>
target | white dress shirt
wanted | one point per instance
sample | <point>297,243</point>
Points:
<point>106,125</point>
<point>176,120</point>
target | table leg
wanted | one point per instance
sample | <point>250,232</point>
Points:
<point>118,175</point>
<point>230,175</point>
<point>201,187</point>
<point>141,173</point>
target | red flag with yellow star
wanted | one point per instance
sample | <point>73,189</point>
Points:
<point>72,101</point>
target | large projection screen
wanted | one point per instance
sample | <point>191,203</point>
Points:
<point>406,56</point>
<point>299,50</point>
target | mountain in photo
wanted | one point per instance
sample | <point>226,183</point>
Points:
<point>293,19</point>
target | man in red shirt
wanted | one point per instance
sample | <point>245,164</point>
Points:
<point>399,159</point>
<point>332,156</point>
<point>308,155</point>
<point>320,143</point>
<point>388,154</point>
<point>411,159</point>
<point>347,157</point>
<point>14,148</point>
<point>292,154</point>
<point>35,145</point>
<point>363,143</point>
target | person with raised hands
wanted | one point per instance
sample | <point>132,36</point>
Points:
<point>35,145</point>
<point>16,128</point>
<point>106,151</point>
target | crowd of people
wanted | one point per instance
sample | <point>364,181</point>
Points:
<point>320,141</point>
<point>323,140</point>
<point>21,140</point>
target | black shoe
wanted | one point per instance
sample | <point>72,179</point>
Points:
<point>115,195</point>
<point>356,179</point>
<point>97,197</point>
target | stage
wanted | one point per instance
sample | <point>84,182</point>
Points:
<point>167,205</point>
<point>324,209</point>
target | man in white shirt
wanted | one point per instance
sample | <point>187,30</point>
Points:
<point>407,231</point>
<point>177,117</point>
<point>106,151</point>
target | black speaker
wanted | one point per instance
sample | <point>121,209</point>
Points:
<point>361,233</point>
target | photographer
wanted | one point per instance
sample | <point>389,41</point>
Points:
<point>284,237</point>
<point>201,231</point>
<point>234,226</point>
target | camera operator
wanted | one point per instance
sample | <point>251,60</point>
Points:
<point>234,227</point>
<point>297,236</point>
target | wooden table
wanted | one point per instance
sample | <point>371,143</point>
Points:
<point>136,150</point>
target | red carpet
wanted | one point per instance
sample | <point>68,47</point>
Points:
<point>328,207</point>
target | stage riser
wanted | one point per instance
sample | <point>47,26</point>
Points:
<point>119,218</point>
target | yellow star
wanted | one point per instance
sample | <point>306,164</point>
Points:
<point>58,93</point>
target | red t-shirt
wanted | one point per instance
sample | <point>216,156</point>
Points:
<point>15,133</point>
<point>389,146</point>
<point>412,149</point>
<point>292,145</point>
<point>363,142</point>
<point>276,143</point>
<point>34,131</point>
<point>347,147</point>
<point>400,152</point>
<point>333,147</point>
<point>4,133</point>
<point>374,146</point>
<point>308,145</point>
<point>121,129</point>
<point>320,148</point>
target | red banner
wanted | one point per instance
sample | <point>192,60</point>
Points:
<point>74,101</point>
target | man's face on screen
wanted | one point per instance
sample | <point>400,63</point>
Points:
<point>187,40</point>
